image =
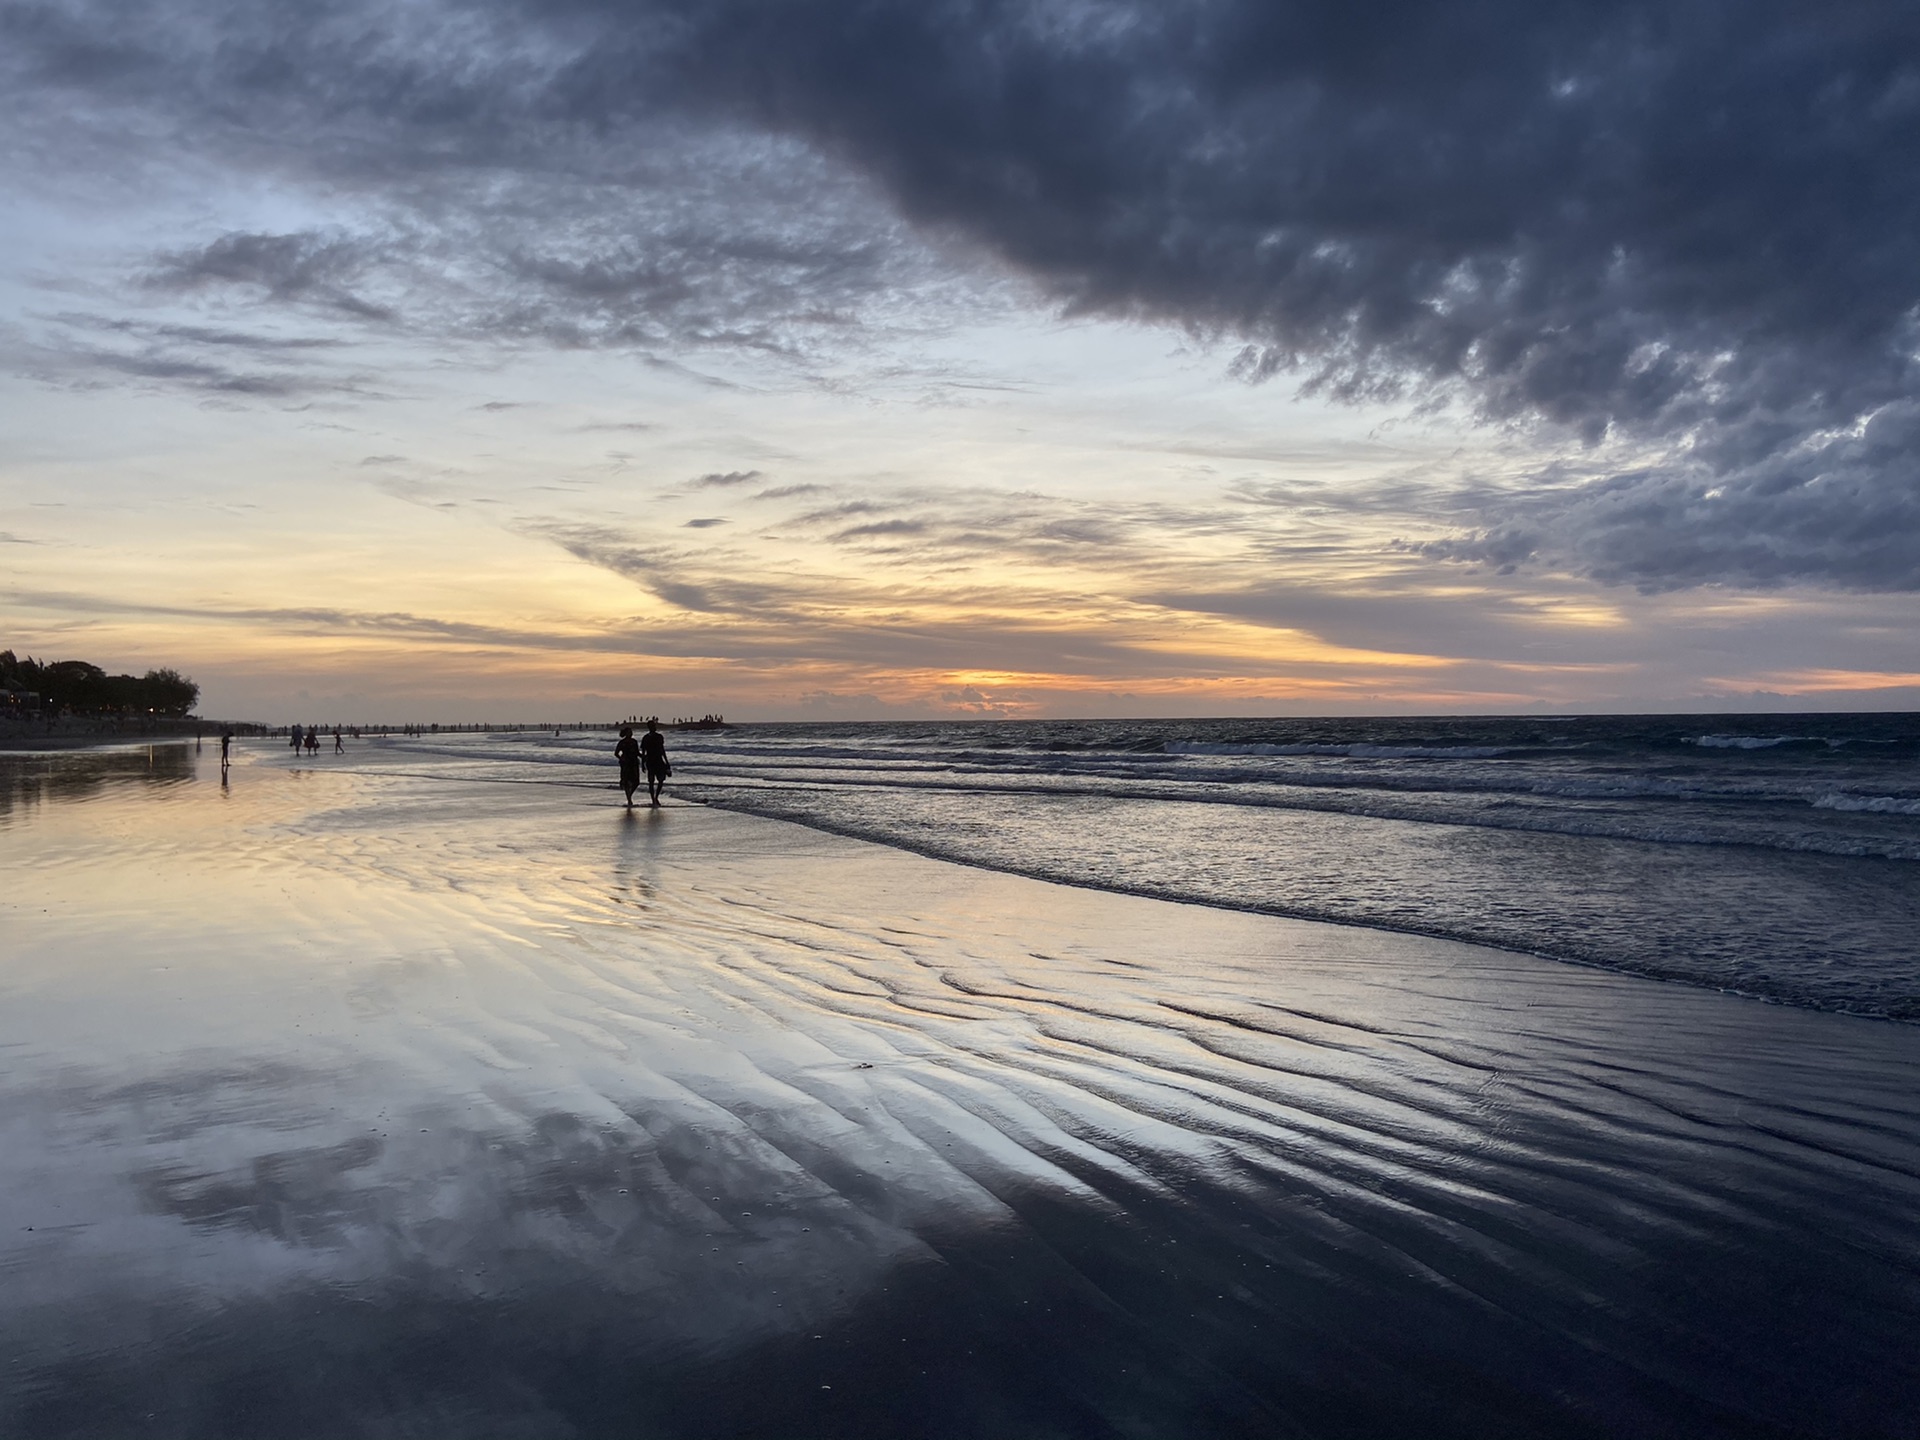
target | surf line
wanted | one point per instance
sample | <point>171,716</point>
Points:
<point>459,779</point>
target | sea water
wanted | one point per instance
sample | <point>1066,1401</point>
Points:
<point>1775,856</point>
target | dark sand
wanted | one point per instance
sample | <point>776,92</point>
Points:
<point>356,1104</point>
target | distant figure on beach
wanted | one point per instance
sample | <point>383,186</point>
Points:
<point>297,734</point>
<point>627,752</point>
<point>653,753</point>
<point>338,748</point>
<point>226,748</point>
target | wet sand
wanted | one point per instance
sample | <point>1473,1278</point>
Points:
<point>346,1103</point>
<point>66,735</point>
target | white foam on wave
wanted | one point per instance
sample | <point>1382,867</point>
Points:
<point>1871,804</point>
<point>1744,742</point>
<point>1360,752</point>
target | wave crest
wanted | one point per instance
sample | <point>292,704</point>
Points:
<point>1356,751</point>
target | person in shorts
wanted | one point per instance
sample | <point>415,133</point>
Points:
<point>653,755</point>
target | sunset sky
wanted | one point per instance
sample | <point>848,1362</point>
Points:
<point>848,358</point>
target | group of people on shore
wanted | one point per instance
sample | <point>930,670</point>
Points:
<point>308,736</point>
<point>646,755</point>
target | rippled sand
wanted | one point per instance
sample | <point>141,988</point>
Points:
<point>346,1103</point>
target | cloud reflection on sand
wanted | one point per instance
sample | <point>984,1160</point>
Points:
<point>366,1104</point>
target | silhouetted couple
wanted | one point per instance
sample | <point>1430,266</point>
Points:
<point>648,753</point>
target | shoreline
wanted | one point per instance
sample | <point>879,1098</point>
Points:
<point>103,734</point>
<point>1175,896</point>
<point>689,794</point>
<point>60,744</point>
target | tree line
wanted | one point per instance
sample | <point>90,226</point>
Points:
<point>88,690</point>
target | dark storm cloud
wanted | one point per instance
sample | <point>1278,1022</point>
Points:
<point>1837,508</point>
<point>1681,232</point>
<point>1685,225</point>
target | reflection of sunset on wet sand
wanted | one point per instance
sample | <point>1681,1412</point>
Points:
<point>502,1108</point>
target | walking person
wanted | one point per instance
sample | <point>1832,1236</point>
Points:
<point>627,752</point>
<point>653,755</point>
<point>226,748</point>
<point>338,748</point>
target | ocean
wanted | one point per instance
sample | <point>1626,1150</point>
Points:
<point>1774,856</point>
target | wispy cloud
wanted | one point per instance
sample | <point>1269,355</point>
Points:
<point>834,635</point>
<point>311,270</point>
<point>82,350</point>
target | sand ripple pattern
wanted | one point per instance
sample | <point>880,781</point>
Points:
<point>517,1108</point>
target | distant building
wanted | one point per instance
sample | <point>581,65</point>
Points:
<point>14,702</point>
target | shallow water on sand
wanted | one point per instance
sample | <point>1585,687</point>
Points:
<point>343,1104</point>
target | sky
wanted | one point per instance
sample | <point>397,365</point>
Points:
<point>848,359</point>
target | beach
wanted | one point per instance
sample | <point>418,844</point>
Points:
<point>375,1099</point>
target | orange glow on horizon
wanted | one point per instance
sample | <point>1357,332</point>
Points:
<point>1818,682</point>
